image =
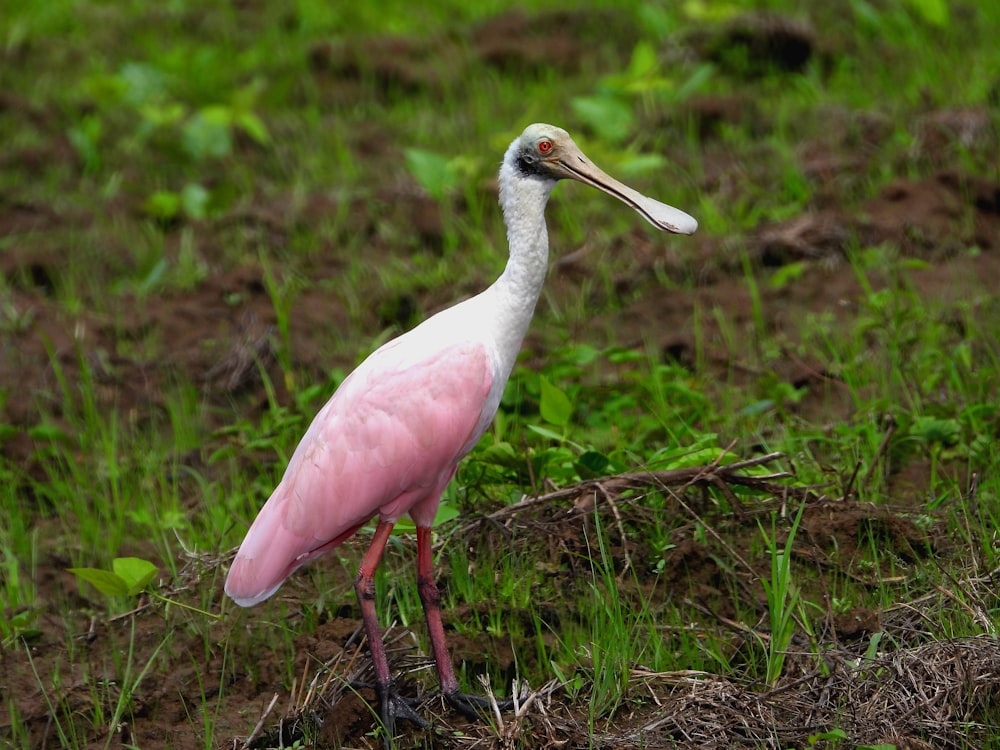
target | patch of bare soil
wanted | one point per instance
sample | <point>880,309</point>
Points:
<point>513,43</point>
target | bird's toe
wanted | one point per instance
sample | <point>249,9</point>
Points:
<point>394,707</point>
<point>475,707</point>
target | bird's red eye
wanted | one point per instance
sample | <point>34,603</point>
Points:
<point>544,146</point>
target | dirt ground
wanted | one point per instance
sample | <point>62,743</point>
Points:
<point>216,343</point>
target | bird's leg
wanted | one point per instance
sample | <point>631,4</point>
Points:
<point>391,704</point>
<point>430,597</point>
<point>471,706</point>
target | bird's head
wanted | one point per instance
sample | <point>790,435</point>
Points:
<point>539,148</point>
<point>548,152</point>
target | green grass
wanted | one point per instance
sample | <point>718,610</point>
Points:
<point>176,123</point>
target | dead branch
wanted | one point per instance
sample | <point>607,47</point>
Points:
<point>709,475</point>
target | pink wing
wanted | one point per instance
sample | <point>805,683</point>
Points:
<point>387,442</point>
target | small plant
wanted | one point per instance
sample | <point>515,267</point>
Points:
<point>191,202</point>
<point>833,736</point>
<point>783,598</point>
<point>937,435</point>
<point>128,577</point>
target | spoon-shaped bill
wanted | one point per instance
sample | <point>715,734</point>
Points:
<point>576,166</point>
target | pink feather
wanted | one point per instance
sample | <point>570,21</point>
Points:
<point>386,443</point>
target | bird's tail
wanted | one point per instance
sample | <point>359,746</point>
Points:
<point>268,555</point>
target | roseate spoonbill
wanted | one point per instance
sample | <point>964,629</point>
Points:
<point>390,438</point>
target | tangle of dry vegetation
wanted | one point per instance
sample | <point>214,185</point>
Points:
<point>934,695</point>
<point>897,686</point>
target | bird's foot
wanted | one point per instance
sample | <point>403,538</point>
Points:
<point>393,706</point>
<point>476,707</point>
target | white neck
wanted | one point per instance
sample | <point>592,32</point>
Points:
<point>516,292</point>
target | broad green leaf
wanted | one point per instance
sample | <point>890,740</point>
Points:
<point>433,171</point>
<point>834,734</point>
<point>582,354</point>
<point>445,512</point>
<point>208,133</point>
<point>876,640</point>
<point>158,115</point>
<point>656,20</point>
<point>935,430</point>
<point>21,625</point>
<point>643,62</point>
<point>592,464</point>
<point>141,83</point>
<point>555,406</point>
<point>135,572</point>
<point>163,205</point>
<point>254,127</point>
<point>545,432</point>
<point>697,457</point>
<point>698,79</point>
<point>104,581</point>
<point>194,199</point>
<point>624,356</point>
<point>787,273</point>
<point>501,454</point>
<point>610,117</point>
<point>934,12</point>
<point>756,408</point>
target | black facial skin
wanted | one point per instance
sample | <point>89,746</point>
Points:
<point>529,165</point>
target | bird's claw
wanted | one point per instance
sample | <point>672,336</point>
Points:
<point>475,707</point>
<point>393,706</point>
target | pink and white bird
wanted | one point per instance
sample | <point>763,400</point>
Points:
<point>388,441</point>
